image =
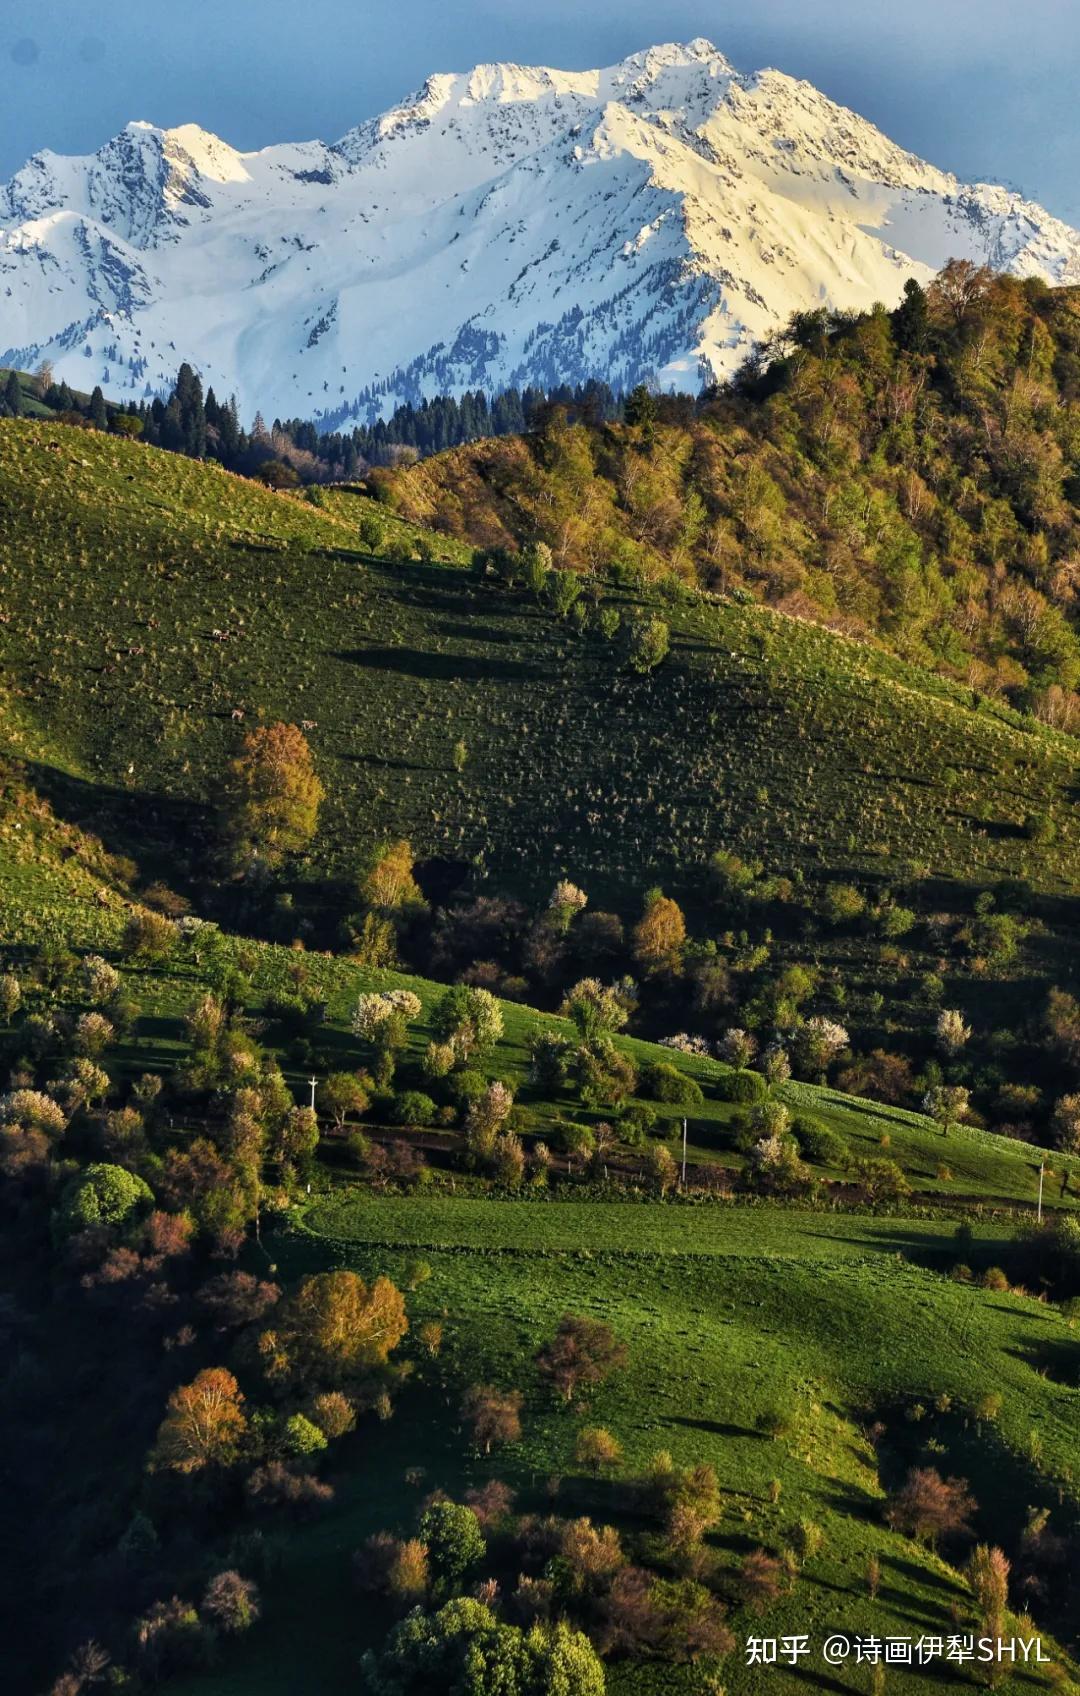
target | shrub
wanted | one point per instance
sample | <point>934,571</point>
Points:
<point>743,1087</point>
<point>596,1449</point>
<point>493,1415</point>
<point>231,1602</point>
<point>148,936</point>
<point>413,1108</point>
<point>842,903</point>
<point>881,1180</point>
<point>465,1087</point>
<point>636,1123</point>
<point>646,641</point>
<point>928,1506</point>
<point>818,1143</point>
<point>102,1195</point>
<point>10,996</point>
<point>454,1541</point>
<point>302,1436</point>
<point>582,1354</point>
<point>663,1082</point>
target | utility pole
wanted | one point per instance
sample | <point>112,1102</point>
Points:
<point>313,1082</point>
<point>1042,1175</point>
<point>684,1154</point>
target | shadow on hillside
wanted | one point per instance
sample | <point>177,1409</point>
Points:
<point>462,630</point>
<point>919,1250</point>
<point>383,762</point>
<point>136,823</point>
<point>999,830</point>
<point>716,1428</point>
<point>416,662</point>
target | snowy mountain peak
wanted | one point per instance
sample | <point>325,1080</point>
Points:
<point>505,225</point>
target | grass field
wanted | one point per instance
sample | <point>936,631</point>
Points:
<point>729,1315</point>
<point>146,599</point>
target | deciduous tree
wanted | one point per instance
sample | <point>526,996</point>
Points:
<point>272,796</point>
<point>204,1424</point>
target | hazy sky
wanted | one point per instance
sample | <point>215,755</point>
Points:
<point>984,87</point>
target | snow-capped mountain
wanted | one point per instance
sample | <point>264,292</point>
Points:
<point>510,225</point>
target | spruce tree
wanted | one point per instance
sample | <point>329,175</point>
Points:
<point>13,401</point>
<point>99,417</point>
<point>911,320</point>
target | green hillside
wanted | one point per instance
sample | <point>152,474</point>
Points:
<point>154,609</point>
<point>906,476</point>
<point>729,1318</point>
<point>763,1341</point>
<point>876,872</point>
<point>146,598</point>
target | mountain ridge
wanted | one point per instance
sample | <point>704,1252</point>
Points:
<point>645,222</point>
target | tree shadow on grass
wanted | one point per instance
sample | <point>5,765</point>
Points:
<point>382,762</point>
<point>716,1428</point>
<point>417,662</point>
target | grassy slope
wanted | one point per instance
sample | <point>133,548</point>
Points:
<point>119,563</point>
<point>729,1312</point>
<point>728,1315</point>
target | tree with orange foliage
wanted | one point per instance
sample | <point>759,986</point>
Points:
<point>659,934</point>
<point>204,1425</point>
<point>272,796</point>
<point>333,1330</point>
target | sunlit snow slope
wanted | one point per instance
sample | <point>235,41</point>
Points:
<point>510,225</point>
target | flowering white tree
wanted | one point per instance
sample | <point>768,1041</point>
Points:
<point>92,1034</point>
<point>683,1043</point>
<point>818,1043</point>
<point>486,1117</point>
<point>948,1104</point>
<point>737,1047</point>
<point>99,981</point>
<point>953,1030</point>
<point>775,1063</point>
<point>33,1110</point>
<point>372,1011</point>
<point>567,900</point>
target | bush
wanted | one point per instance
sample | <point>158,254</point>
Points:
<point>662,1082</point>
<point>413,1108</point>
<point>744,1087</point>
<point>102,1195</point>
<point>148,936</point>
<point>636,1123</point>
<point>820,1144</point>
<point>454,1542</point>
<point>465,1087</point>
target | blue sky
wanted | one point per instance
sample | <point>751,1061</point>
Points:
<point>984,87</point>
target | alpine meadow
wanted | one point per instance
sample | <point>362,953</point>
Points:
<point>539,1011</point>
